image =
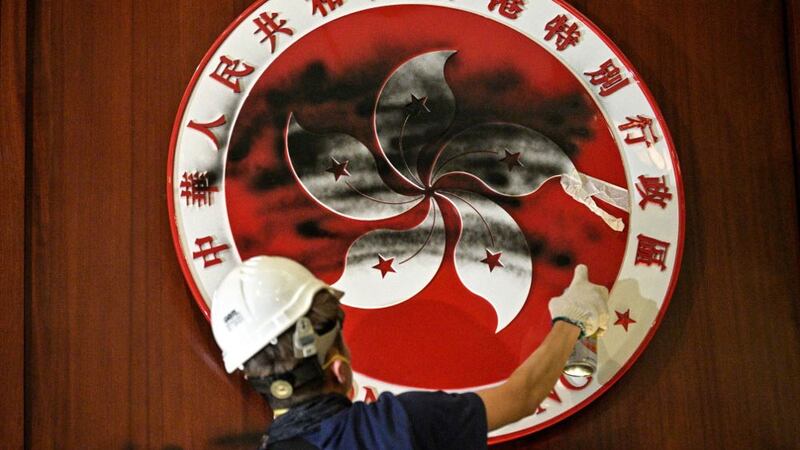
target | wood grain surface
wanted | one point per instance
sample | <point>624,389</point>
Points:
<point>793,56</point>
<point>118,355</point>
<point>13,82</point>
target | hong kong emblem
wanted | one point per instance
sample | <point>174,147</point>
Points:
<point>446,163</point>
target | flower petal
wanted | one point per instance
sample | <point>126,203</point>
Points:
<point>415,107</point>
<point>340,173</point>
<point>387,267</point>
<point>510,159</point>
<point>514,160</point>
<point>492,256</point>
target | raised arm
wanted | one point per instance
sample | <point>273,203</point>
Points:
<point>581,310</point>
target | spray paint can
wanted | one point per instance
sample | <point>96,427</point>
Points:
<point>583,360</point>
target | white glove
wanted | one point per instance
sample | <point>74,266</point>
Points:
<point>583,304</point>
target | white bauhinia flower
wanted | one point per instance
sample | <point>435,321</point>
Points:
<point>414,110</point>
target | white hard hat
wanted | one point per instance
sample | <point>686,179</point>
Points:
<point>256,303</point>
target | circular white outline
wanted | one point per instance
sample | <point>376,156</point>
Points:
<point>206,99</point>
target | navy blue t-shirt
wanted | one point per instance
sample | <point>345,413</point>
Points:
<point>410,421</point>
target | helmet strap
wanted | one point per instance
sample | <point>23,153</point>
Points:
<point>282,386</point>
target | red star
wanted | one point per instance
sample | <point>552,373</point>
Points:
<point>384,265</point>
<point>417,106</point>
<point>512,160</point>
<point>338,169</point>
<point>624,319</point>
<point>492,260</point>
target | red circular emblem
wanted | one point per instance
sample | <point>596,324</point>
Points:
<point>446,164</point>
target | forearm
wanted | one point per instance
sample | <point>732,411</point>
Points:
<point>539,373</point>
<point>522,393</point>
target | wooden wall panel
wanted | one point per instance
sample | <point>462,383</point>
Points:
<point>119,356</point>
<point>79,366</point>
<point>13,81</point>
<point>793,57</point>
<point>184,397</point>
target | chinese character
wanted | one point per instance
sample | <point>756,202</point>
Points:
<point>508,8</point>
<point>197,189</point>
<point>228,72</point>
<point>652,252</point>
<point>645,126</point>
<point>208,251</point>
<point>266,24</point>
<point>205,128</point>
<point>609,78</point>
<point>567,35</point>
<point>325,6</point>
<point>653,190</point>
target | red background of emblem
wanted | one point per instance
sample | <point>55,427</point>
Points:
<point>444,337</point>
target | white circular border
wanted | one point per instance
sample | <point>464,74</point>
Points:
<point>206,99</point>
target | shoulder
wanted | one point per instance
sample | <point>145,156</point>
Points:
<point>388,407</point>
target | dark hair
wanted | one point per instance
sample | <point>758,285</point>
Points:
<point>279,358</point>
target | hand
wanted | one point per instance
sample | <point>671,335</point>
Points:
<point>583,304</point>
